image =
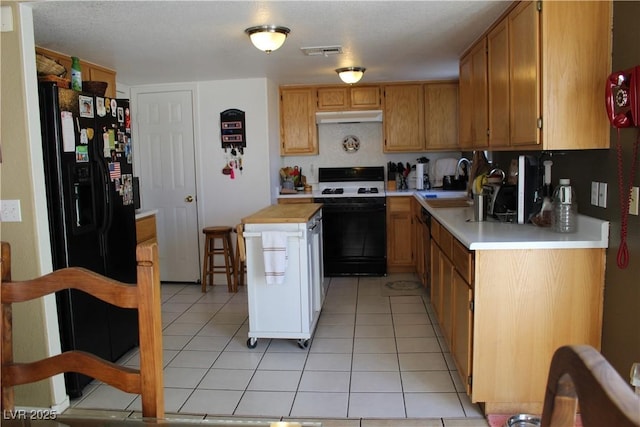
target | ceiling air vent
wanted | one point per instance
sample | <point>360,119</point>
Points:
<point>321,50</point>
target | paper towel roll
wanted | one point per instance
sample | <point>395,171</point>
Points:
<point>420,176</point>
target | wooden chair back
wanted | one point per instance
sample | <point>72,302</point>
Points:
<point>581,374</point>
<point>145,297</point>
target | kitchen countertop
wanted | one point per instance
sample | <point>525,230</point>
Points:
<point>287,213</point>
<point>436,193</point>
<point>493,234</point>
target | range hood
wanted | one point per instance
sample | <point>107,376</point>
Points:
<point>326,117</point>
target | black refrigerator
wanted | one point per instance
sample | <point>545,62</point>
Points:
<point>86,142</point>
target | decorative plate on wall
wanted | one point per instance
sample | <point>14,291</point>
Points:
<point>351,143</point>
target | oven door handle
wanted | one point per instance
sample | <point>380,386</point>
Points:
<point>353,208</point>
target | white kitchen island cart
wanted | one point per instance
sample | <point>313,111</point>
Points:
<point>290,309</point>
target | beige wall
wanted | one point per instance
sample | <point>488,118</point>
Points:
<point>16,184</point>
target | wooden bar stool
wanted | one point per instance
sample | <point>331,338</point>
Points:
<point>213,236</point>
<point>241,256</point>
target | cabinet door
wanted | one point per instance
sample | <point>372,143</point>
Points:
<point>466,103</point>
<point>403,118</point>
<point>297,121</point>
<point>446,276</point>
<point>365,97</point>
<point>98,74</point>
<point>400,236</point>
<point>436,278</point>
<point>523,53</point>
<point>479,123</point>
<point>333,98</point>
<point>498,85</point>
<point>462,328</point>
<point>441,116</point>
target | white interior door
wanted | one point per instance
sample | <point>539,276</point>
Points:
<point>165,157</point>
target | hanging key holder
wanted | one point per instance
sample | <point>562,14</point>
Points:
<point>233,139</point>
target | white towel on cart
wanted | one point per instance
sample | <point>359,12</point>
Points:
<point>274,247</point>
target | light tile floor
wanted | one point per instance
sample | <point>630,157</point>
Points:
<point>377,353</point>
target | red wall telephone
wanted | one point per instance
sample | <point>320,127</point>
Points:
<point>623,98</point>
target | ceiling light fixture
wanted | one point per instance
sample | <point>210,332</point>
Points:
<point>267,37</point>
<point>350,75</point>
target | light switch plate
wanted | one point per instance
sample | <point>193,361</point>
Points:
<point>602,194</point>
<point>594,193</point>
<point>10,211</point>
<point>6,19</point>
<point>633,201</point>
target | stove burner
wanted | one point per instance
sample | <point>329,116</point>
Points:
<point>333,191</point>
<point>363,190</point>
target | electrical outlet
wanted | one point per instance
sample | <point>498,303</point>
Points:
<point>10,211</point>
<point>594,193</point>
<point>602,194</point>
<point>633,201</point>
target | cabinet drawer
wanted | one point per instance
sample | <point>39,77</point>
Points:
<point>435,231</point>
<point>399,204</point>
<point>463,261</point>
<point>446,242</point>
<point>145,228</point>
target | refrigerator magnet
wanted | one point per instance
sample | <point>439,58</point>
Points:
<point>114,106</point>
<point>106,149</point>
<point>84,139</point>
<point>120,115</point>
<point>101,110</point>
<point>82,154</point>
<point>68,132</point>
<point>86,106</point>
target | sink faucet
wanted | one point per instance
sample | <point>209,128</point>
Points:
<point>467,168</point>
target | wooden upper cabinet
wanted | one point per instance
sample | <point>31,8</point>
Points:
<point>479,123</point>
<point>544,84</point>
<point>89,70</point>
<point>576,61</point>
<point>523,26</point>
<point>473,98</point>
<point>465,103</point>
<point>498,85</point>
<point>298,130</point>
<point>333,98</point>
<point>365,97</point>
<point>403,118</point>
<point>441,116</point>
<point>340,98</point>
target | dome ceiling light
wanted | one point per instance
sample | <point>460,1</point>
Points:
<point>267,38</point>
<point>350,75</point>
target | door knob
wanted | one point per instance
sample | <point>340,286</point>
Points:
<point>188,199</point>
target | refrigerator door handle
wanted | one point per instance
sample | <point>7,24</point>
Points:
<point>107,213</point>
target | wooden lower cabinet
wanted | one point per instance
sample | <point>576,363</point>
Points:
<point>462,320</point>
<point>505,312</point>
<point>423,243</point>
<point>400,237</point>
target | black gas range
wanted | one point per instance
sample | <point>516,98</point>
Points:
<point>354,220</point>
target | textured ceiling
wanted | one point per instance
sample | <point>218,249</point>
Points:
<point>177,41</point>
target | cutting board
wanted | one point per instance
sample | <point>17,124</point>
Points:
<point>449,203</point>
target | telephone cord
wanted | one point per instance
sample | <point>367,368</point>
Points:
<point>625,196</point>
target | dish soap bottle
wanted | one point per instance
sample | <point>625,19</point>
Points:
<point>76,74</point>
<point>565,209</point>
